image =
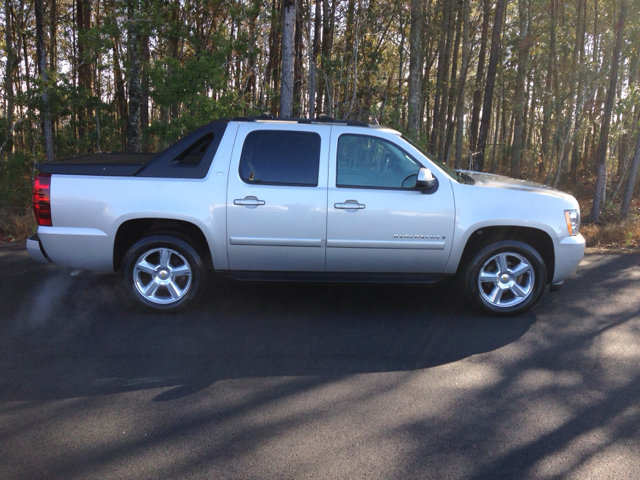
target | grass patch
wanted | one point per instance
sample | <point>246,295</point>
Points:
<point>16,226</point>
<point>611,231</point>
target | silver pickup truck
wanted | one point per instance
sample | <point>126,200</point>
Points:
<point>319,200</point>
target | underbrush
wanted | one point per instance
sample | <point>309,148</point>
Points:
<point>16,217</point>
<point>16,225</point>
<point>611,231</point>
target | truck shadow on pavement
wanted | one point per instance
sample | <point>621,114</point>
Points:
<point>83,336</point>
<point>559,400</point>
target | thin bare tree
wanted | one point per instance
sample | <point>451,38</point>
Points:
<point>288,57</point>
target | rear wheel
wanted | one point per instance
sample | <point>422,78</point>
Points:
<point>506,277</point>
<point>164,272</point>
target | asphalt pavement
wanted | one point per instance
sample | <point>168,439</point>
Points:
<point>272,380</point>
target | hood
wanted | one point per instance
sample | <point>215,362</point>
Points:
<point>500,181</point>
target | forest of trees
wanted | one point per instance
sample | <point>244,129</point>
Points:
<point>543,90</point>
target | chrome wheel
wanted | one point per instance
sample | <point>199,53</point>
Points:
<point>506,279</point>
<point>162,276</point>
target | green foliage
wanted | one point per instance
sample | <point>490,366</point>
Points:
<point>173,82</point>
<point>201,110</point>
<point>16,181</point>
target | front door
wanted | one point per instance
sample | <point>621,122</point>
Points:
<point>377,220</point>
<point>277,198</point>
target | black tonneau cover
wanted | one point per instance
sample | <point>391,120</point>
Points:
<point>110,164</point>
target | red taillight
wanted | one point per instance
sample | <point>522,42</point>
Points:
<point>41,199</point>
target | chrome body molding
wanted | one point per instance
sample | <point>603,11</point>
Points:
<point>275,242</point>
<point>386,244</point>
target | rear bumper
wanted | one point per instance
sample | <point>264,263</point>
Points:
<point>36,252</point>
<point>569,254</point>
<point>71,247</point>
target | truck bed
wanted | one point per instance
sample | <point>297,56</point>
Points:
<point>108,164</point>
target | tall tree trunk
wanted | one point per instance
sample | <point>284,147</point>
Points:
<point>491,80</point>
<point>453,88</point>
<point>288,57</point>
<point>466,48</point>
<point>523,67</point>
<point>42,67</point>
<point>83,21</point>
<point>313,60</point>
<point>272,75</point>
<point>415,66</point>
<point>298,68</point>
<point>631,182</point>
<point>606,121</point>
<point>119,97</point>
<point>10,69</point>
<point>97,83</point>
<point>399,102</point>
<point>144,97</point>
<point>446,84</point>
<point>440,81</point>
<point>349,53</point>
<point>477,93</point>
<point>547,107</point>
<point>53,49</point>
<point>324,79</point>
<point>53,35</point>
<point>578,56</point>
<point>173,47</point>
<point>134,90</point>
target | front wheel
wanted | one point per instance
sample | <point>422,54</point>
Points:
<point>506,277</point>
<point>164,272</point>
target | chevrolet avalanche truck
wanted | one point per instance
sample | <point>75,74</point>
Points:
<point>300,199</point>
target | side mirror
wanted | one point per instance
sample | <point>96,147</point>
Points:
<point>425,180</point>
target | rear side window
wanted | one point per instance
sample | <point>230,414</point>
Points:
<point>194,153</point>
<point>276,157</point>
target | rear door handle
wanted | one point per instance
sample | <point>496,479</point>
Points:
<point>350,205</point>
<point>248,201</point>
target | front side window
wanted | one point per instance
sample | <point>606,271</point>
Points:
<point>372,162</point>
<point>276,157</point>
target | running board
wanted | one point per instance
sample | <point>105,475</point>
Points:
<point>337,277</point>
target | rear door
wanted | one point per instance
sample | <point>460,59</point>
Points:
<point>277,197</point>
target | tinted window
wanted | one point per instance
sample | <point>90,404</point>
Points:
<point>365,161</point>
<point>196,151</point>
<point>281,158</point>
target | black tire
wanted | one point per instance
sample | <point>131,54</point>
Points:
<point>164,273</point>
<point>506,278</point>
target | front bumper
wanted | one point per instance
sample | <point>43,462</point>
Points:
<point>569,254</point>
<point>36,252</point>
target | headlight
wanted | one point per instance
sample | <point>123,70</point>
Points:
<point>573,221</point>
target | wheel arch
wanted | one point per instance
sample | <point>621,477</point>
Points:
<point>131,231</point>
<point>536,238</point>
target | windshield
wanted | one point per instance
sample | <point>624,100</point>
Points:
<point>433,158</point>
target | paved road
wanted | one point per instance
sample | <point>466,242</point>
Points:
<point>308,381</point>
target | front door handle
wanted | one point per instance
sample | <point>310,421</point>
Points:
<point>248,201</point>
<point>350,205</point>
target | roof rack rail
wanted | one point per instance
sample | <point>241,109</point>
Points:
<point>320,119</point>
